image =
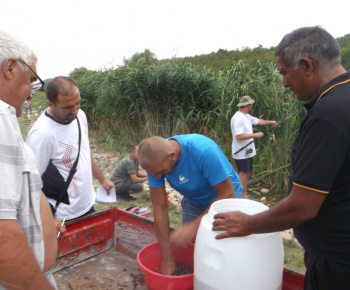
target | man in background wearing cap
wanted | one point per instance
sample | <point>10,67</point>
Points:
<point>242,134</point>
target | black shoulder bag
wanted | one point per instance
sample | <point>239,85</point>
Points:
<point>70,176</point>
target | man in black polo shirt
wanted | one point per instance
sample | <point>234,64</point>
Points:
<point>318,204</point>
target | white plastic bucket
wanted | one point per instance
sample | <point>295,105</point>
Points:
<point>253,262</point>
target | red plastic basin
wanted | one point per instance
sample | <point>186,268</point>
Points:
<point>149,259</point>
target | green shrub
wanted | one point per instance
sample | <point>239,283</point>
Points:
<point>141,99</point>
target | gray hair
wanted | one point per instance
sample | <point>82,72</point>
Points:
<point>11,47</point>
<point>311,42</point>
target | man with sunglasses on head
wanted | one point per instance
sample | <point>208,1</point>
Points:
<point>28,237</point>
<point>58,139</point>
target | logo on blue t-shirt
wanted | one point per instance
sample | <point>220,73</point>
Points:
<point>182,179</point>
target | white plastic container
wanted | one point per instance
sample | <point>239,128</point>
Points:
<point>253,262</point>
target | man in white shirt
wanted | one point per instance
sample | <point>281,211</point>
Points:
<point>243,148</point>
<point>54,139</point>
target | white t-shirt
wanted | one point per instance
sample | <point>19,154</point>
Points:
<point>58,141</point>
<point>241,123</point>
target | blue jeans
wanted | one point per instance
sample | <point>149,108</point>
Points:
<point>189,211</point>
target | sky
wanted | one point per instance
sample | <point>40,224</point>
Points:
<point>100,34</point>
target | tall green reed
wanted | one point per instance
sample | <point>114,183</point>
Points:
<point>167,98</point>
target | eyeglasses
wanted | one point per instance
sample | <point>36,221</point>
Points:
<point>39,83</point>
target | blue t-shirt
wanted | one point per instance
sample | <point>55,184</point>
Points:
<point>201,166</point>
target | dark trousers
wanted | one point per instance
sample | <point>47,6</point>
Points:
<point>321,277</point>
<point>127,186</point>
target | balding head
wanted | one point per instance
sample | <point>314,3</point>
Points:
<point>61,85</point>
<point>153,151</point>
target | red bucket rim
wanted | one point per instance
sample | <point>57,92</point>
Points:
<point>148,271</point>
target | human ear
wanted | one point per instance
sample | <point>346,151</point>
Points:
<point>8,67</point>
<point>307,65</point>
<point>171,155</point>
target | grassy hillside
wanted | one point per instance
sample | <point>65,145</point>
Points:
<point>223,58</point>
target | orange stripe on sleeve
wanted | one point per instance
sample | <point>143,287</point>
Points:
<point>309,188</point>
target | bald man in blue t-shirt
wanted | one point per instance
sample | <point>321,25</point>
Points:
<point>196,167</point>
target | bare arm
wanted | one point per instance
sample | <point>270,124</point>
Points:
<point>249,136</point>
<point>257,134</point>
<point>267,122</point>
<point>49,233</point>
<point>17,262</point>
<point>135,178</point>
<point>162,227</point>
<point>300,206</point>
<point>188,232</point>
<point>141,173</point>
<point>98,174</point>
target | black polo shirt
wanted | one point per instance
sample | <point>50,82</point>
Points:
<point>321,162</point>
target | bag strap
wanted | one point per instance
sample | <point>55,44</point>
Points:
<point>71,173</point>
